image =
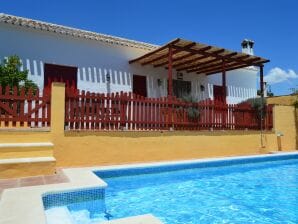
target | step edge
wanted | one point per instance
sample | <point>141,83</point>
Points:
<point>27,160</point>
<point>26,144</point>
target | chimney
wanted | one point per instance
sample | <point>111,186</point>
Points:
<point>247,46</point>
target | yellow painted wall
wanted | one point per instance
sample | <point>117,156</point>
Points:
<point>284,123</point>
<point>74,148</point>
<point>101,148</point>
<point>282,100</point>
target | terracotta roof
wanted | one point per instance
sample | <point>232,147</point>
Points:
<point>189,56</point>
<point>64,30</point>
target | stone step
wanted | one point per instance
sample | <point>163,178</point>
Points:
<point>59,215</point>
<point>30,166</point>
<point>26,150</point>
<point>141,219</point>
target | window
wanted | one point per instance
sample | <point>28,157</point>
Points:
<point>181,88</point>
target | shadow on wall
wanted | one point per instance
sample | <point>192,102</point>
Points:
<point>99,75</point>
<point>88,77</point>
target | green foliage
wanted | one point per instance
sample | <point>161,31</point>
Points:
<point>295,104</point>
<point>11,75</point>
<point>192,111</point>
<point>294,91</point>
<point>259,105</point>
<point>269,93</point>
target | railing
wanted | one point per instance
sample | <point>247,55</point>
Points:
<point>127,111</point>
<point>21,108</point>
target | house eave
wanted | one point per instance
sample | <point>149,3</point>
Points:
<point>70,31</point>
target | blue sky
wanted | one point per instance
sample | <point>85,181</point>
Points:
<point>272,24</point>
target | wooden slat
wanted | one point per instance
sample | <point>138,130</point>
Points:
<point>164,56</point>
<point>218,66</point>
<point>203,64</point>
<point>154,51</point>
<point>182,58</point>
<point>114,111</point>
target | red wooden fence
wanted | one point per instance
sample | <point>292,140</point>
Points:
<point>18,107</point>
<point>127,111</point>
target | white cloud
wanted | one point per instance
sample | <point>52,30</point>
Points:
<point>277,75</point>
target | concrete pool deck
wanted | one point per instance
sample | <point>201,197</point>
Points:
<point>24,204</point>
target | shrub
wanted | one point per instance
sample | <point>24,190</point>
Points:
<point>192,111</point>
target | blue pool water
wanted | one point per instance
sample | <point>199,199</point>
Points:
<point>262,192</point>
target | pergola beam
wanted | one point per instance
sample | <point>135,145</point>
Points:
<point>234,67</point>
<point>210,54</point>
<point>189,55</point>
<point>188,61</point>
<point>166,55</point>
<point>219,65</point>
<point>196,57</point>
<point>155,51</point>
<point>198,65</point>
<point>183,57</point>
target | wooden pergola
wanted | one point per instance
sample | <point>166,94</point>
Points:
<point>193,57</point>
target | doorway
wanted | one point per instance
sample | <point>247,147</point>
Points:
<point>218,93</point>
<point>60,73</point>
<point>139,85</point>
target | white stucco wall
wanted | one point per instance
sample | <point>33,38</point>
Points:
<point>95,59</point>
<point>241,83</point>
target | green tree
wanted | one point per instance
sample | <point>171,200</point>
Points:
<point>259,105</point>
<point>11,75</point>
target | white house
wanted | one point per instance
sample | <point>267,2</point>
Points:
<point>102,63</point>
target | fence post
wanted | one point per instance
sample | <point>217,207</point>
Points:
<point>57,108</point>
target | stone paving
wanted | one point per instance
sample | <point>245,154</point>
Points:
<point>57,178</point>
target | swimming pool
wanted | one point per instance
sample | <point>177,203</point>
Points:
<point>254,190</point>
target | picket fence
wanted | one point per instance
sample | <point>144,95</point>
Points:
<point>127,111</point>
<point>24,108</point>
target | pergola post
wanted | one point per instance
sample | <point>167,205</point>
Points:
<point>170,87</point>
<point>262,100</point>
<point>262,80</point>
<point>224,90</point>
<point>170,72</point>
<point>224,81</point>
